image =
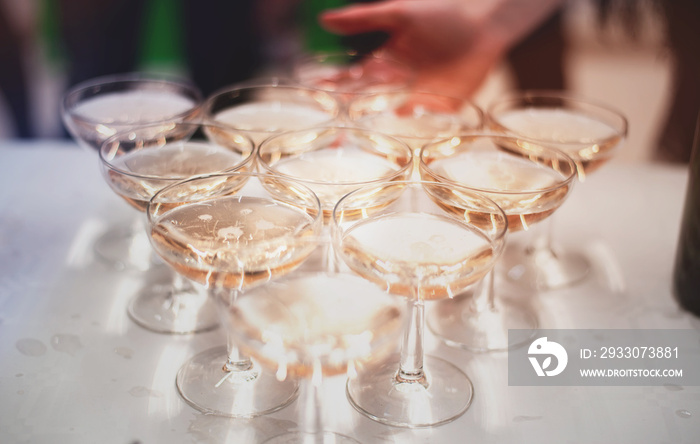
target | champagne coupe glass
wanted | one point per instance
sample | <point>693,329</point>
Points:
<point>415,117</point>
<point>424,241</point>
<point>139,162</point>
<point>230,232</point>
<point>263,110</point>
<point>350,74</point>
<point>333,161</point>
<point>99,108</point>
<point>529,182</point>
<point>315,324</point>
<point>589,133</point>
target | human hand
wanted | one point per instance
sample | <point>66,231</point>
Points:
<point>451,44</point>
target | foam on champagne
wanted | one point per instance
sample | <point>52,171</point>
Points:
<point>336,166</point>
<point>418,238</point>
<point>414,126</point>
<point>557,125</point>
<point>332,173</point>
<point>526,191</point>
<point>272,116</point>
<point>178,160</point>
<point>133,107</point>
<point>436,254</point>
<point>496,171</point>
<point>149,168</point>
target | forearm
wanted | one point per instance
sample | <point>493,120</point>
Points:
<point>502,24</point>
<point>506,22</point>
<point>452,44</point>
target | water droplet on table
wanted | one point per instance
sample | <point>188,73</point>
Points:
<point>684,413</point>
<point>124,352</point>
<point>66,343</point>
<point>30,347</point>
<point>142,392</point>
<point>526,418</point>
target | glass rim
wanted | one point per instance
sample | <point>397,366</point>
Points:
<point>317,217</point>
<point>271,170</point>
<point>559,153</point>
<point>418,92</point>
<point>132,78</point>
<point>465,104</point>
<point>568,96</point>
<point>208,102</point>
<point>325,56</point>
<point>272,80</point>
<point>351,54</point>
<point>110,142</point>
<point>498,237</point>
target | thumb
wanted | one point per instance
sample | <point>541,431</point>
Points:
<point>381,16</point>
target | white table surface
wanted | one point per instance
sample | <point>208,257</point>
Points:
<point>75,369</point>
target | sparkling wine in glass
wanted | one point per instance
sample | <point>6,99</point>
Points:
<point>423,241</point>
<point>312,325</point>
<point>263,110</point>
<point>231,232</point>
<point>138,163</point>
<point>99,108</point>
<point>415,117</point>
<point>349,74</point>
<point>529,182</point>
<point>333,161</point>
<point>590,133</point>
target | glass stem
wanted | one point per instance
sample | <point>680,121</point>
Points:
<point>312,419</point>
<point>412,353</point>
<point>543,239</point>
<point>140,228</point>
<point>176,300</point>
<point>237,361</point>
<point>330,263</point>
<point>181,284</point>
<point>485,295</point>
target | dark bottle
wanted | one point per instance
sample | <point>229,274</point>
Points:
<point>686,272</point>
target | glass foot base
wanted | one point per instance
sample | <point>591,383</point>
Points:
<point>311,438</point>
<point>204,385</point>
<point>546,269</point>
<point>164,308</point>
<point>444,395</point>
<point>458,324</point>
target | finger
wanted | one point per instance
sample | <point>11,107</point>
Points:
<point>381,16</point>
